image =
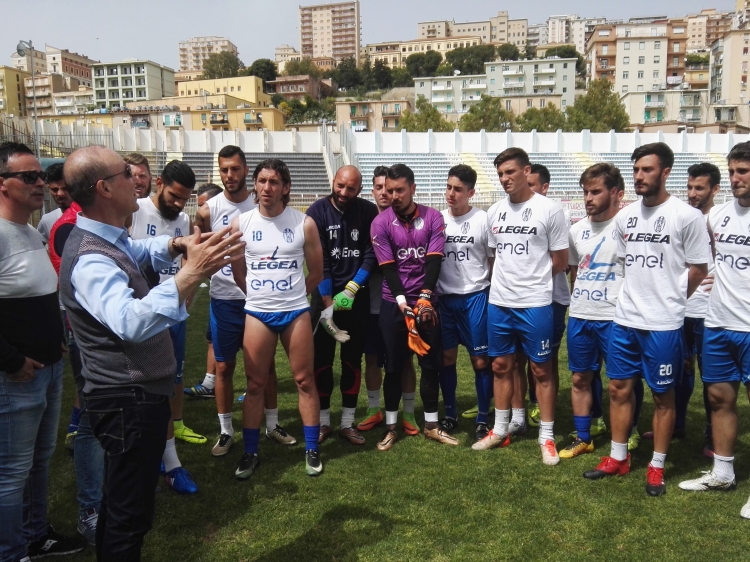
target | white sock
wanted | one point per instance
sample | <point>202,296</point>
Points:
<point>170,457</point>
<point>225,421</point>
<point>272,418</point>
<point>619,451</point>
<point>373,398</point>
<point>408,398</point>
<point>347,417</point>
<point>325,417</point>
<point>430,417</point>
<point>546,431</point>
<point>519,416</point>
<point>502,419</point>
<point>724,468</point>
<point>657,461</point>
<point>391,418</point>
<point>209,381</point>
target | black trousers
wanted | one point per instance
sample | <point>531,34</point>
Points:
<point>131,425</point>
<point>356,322</point>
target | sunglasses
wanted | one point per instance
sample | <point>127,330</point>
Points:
<point>127,171</point>
<point>30,177</point>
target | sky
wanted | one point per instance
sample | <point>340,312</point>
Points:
<point>111,31</point>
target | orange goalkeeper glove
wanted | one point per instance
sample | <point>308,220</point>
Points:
<point>416,343</point>
<point>425,313</point>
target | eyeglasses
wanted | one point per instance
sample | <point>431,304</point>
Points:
<point>127,171</point>
<point>30,177</point>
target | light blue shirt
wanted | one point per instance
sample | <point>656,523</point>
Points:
<point>101,287</point>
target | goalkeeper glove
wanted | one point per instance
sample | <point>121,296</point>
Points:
<point>345,299</point>
<point>326,320</point>
<point>416,343</point>
<point>426,315</point>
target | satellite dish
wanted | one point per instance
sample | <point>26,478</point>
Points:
<point>21,49</point>
<point>456,72</point>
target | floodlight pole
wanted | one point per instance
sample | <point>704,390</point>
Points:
<point>30,46</point>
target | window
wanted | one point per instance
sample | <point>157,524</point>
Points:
<point>529,103</point>
<point>626,45</point>
<point>640,88</point>
<point>657,59</point>
<point>641,60</point>
<point>625,75</point>
<point>421,84</point>
<point>675,61</point>
<point>744,50</point>
<point>624,89</point>
<point>507,105</point>
<point>642,46</point>
<point>564,103</point>
<point>492,80</point>
<point>604,33</point>
<point>565,90</point>
<point>625,60</point>
<point>542,102</point>
<point>640,74</point>
<point>605,49</point>
<point>565,65</point>
<point>656,73</point>
<point>676,48</point>
<point>657,45</point>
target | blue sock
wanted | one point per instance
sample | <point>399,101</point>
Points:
<point>483,380</point>
<point>448,384</point>
<point>596,395</point>
<point>75,417</point>
<point>683,392</point>
<point>583,427</point>
<point>638,390</point>
<point>251,438</point>
<point>311,436</point>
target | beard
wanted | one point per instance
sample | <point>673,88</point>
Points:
<point>168,212</point>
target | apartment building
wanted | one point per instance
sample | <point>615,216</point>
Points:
<point>537,34</point>
<point>12,90</point>
<point>706,27</point>
<point>116,83</point>
<point>580,30</point>
<point>395,53</point>
<point>331,30</point>
<point>728,82</point>
<point>70,65</point>
<point>283,54</point>
<point>246,88</point>
<point>370,115</point>
<point>523,84</point>
<point>496,29</point>
<point>25,62</point>
<point>73,103</point>
<point>196,50</point>
<point>687,107</point>
<point>43,88</point>
<point>298,87</point>
<point>558,28</point>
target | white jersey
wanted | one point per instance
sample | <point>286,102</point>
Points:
<point>523,235</point>
<point>697,304</point>
<point>274,255</point>
<point>593,250</point>
<point>729,301</point>
<point>222,213</point>
<point>658,245</point>
<point>47,222</point>
<point>465,269</point>
<point>148,222</point>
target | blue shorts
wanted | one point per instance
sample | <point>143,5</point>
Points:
<point>529,327</point>
<point>278,321</point>
<point>693,334</point>
<point>587,344</point>
<point>656,356</point>
<point>463,319</point>
<point>726,356</point>
<point>179,343</point>
<point>374,344</point>
<point>558,322</point>
<point>227,328</point>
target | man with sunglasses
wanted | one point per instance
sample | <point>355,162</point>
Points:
<point>31,365</point>
<point>122,326</point>
<point>59,192</point>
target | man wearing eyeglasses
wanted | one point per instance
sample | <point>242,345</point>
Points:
<point>121,326</point>
<point>31,366</point>
<point>59,192</point>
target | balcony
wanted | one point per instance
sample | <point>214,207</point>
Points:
<point>545,71</point>
<point>693,118</point>
<point>253,120</point>
<point>441,99</point>
<point>690,101</point>
<point>473,86</point>
<point>391,113</point>
<point>652,104</point>
<point>517,72</point>
<point>219,119</point>
<point>441,88</point>
<point>513,85</point>
<point>547,82</point>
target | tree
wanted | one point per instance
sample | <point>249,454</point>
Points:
<point>568,52</point>
<point>367,80</point>
<point>302,67</point>
<point>529,51</point>
<point>599,110</point>
<point>694,59</point>
<point>507,51</point>
<point>423,64</point>
<point>402,78</point>
<point>221,65</point>
<point>489,115</point>
<point>382,75</point>
<point>426,117</point>
<point>470,60</point>
<point>265,69</point>
<point>546,120</point>
<point>445,69</point>
<point>276,100</point>
<point>347,75</point>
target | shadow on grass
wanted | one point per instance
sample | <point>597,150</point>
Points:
<point>337,535</point>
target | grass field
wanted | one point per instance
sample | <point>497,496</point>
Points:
<point>424,501</point>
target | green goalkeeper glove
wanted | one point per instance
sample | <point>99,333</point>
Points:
<point>345,299</point>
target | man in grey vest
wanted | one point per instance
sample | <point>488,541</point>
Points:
<point>121,325</point>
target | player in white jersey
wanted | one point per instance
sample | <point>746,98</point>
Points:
<point>530,235</point>
<point>726,342</point>
<point>279,239</point>
<point>227,302</point>
<point>703,185</point>
<point>158,215</point>
<point>375,346</point>
<point>463,287</point>
<point>662,241</point>
<point>595,278</point>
